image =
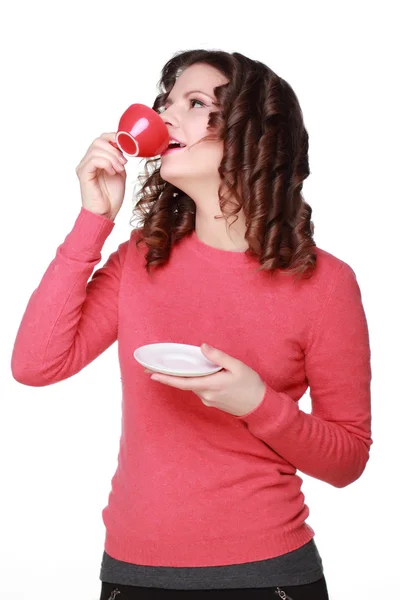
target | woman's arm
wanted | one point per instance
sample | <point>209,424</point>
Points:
<point>332,443</point>
<point>68,322</point>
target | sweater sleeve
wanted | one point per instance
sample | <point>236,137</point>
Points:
<point>332,443</point>
<point>68,322</point>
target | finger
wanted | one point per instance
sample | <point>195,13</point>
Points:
<point>195,384</point>
<point>180,383</point>
<point>221,358</point>
<point>111,148</point>
<point>91,166</point>
<point>97,158</point>
<point>115,145</point>
<point>110,138</point>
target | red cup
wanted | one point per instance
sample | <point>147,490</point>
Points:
<point>142,132</point>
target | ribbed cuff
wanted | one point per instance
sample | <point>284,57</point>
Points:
<point>275,413</point>
<point>87,236</point>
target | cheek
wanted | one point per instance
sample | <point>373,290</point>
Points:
<point>212,153</point>
<point>206,157</point>
<point>196,128</point>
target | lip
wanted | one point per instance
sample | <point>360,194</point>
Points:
<point>170,150</point>
<point>174,139</point>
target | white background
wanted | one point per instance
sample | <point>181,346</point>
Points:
<point>68,72</point>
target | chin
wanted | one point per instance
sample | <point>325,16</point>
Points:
<point>167,172</point>
<point>179,177</point>
<point>176,176</point>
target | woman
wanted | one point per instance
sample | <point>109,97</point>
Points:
<point>205,500</point>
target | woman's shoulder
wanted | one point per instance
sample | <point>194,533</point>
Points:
<point>328,268</point>
<point>329,273</point>
<point>126,246</point>
<point>130,247</point>
<point>328,265</point>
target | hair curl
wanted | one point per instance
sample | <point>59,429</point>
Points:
<point>264,164</point>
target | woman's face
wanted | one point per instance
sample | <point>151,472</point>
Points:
<point>186,115</point>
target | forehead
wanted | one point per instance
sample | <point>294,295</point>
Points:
<point>201,76</point>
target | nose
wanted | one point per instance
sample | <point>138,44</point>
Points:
<point>169,117</point>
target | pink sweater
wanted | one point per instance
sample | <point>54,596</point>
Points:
<point>196,486</point>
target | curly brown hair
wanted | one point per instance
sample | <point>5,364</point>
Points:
<point>264,164</point>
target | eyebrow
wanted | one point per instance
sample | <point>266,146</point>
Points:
<point>168,101</point>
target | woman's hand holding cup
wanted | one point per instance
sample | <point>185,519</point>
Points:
<point>102,177</point>
<point>101,172</point>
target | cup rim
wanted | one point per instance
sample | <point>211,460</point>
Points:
<point>119,133</point>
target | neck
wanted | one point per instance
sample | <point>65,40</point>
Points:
<point>221,233</point>
<point>217,233</point>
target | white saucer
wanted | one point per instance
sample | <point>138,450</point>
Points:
<point>175,359</point>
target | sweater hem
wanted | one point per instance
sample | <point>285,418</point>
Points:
<point>206,552</point>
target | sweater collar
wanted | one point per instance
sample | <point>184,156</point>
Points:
<point>221,258</point>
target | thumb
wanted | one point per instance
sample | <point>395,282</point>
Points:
<point>220,358</point>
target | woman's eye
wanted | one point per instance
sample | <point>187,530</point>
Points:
<point>192,102</point>
<point>197,102</point>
